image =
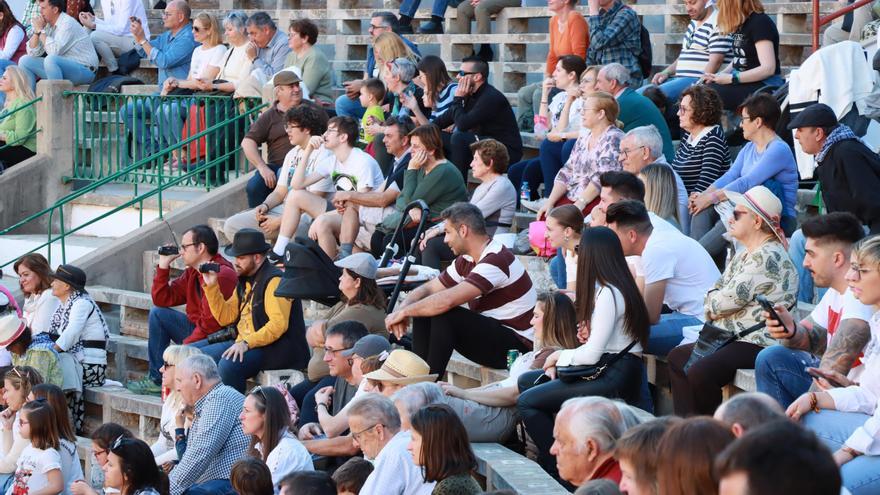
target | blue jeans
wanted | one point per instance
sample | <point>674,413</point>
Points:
<point>145,138</point>
<point>346,107</point>
<point>55,68</point>
<point>779,373</point>
<point>165,326</point>
<point>528,171</point>
<point>557,270</point>
<point>257,191</point>
<point>409,7</point>
<point>672,88</point>
<point>667,333</point>
<point>307,413</point>
<point>235,374</point>
<point>213,487</point>
<point>861,476</point>
<point>553,156</point>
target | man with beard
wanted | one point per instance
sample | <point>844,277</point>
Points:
<point>480,306</point>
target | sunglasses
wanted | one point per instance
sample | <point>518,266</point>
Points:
<point>259,388</point>
<point>738,214</point>
<point>462,73</point>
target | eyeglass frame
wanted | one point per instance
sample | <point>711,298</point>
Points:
<point>626,152</point>
<point>332,352</point>
<point>358,434</point>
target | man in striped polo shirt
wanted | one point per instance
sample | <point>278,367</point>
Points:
<point>703,51</point>
<point>480,306</point>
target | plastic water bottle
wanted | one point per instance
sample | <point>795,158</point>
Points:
<point>524,194</point>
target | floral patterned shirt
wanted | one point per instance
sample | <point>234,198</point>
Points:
<point>585,165</point>
<point>767,271</point>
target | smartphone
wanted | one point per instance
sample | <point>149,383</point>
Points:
<point>544,378</point>
<point>768,307</point>
<point>815,373</point>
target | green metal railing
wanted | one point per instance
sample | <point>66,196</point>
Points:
<point>209,171</point>
<point>11,114</point>
<point>111,131</point>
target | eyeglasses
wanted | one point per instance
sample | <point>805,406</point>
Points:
<point>290,127</point>
<point>166,365</point>
<point>184,246</point>
<point>332,352</point>
<point>373,27</point>
<point>166,13</point>
<point>859,271</point>
<point>683,109</point>
<point>626,153</point>
<point>737,214</point>
<point>463,73</point>
<point>357,435</point>
<point>197,29</point>
<point>98,452</point>
<point>749,119</point>
<point>331,131</point>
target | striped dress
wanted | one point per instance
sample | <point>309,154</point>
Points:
<point>702,162</point>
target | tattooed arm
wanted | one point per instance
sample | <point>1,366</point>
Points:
<point>847,343</point>
<point>808,336</point>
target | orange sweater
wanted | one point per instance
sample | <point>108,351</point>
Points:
<point>574,41</point>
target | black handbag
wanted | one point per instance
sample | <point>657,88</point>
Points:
<point>590,372</point>
<point>713,338</point>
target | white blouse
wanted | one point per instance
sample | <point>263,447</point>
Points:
<point>38,310</point>
<point>163,448</point>
<point>288,456</point>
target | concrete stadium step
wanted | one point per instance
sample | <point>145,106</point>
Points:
<point>139,413</point>
<point>75,247</point>
<point>134,308</point>
<point>217,225</point>
<point>504,469</point>
<point>127,358</point>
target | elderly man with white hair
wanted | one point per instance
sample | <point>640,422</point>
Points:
<point>643,146</point>
<point>376,429</point>
<point>635,110</point>
<point>585,433</point>
<point>215,440</point>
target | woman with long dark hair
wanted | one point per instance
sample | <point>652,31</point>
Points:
<point>266,418</point>
<point>440,445</point>
<point>439,89</point>
<point>132,470</point>
<point>613,319</point>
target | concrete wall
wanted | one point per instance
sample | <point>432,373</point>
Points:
<point>36,183</point>
<point>119,264</point>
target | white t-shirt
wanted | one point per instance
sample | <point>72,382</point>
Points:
<point>203,57</point>
<point>32,468</point>
<point>318,157</point>
<point>289,456</point>
<point>359,165</point>
<point>236,67</point>
<point>571,266</point>
<point>686,267</point>
<point>836,307</point>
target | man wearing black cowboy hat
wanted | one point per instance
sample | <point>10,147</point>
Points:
<point>269,331</point>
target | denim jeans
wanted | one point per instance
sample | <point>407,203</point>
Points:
<point>553,156</point>
<point>409,7</point>
<point>307,412</point>
<point>145,139</point>
<point>667,333</point>
<point>213,487</point>
<point>165,326</point>
<point>257,191</point>
<point>55,68</point>
<point>346,107</point>
<point>557,270</point>
<point>526,171</point>
<point>779,373</point>
<point>861,476</point>
<point>235,374</point>
<point>672,88</point>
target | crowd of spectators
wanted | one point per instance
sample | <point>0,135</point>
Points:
<point>655,248</point>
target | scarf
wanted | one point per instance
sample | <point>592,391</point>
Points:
<point>840,133</point>
<point>61,319</point>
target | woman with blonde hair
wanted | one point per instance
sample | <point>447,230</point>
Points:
<point>389,47</point>
<point>756,51</point>
<point>163,448</point>
<point>18,136</point>
<point>661,192</point>
<point>594,153</point>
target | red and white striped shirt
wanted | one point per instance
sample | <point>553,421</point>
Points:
<point>507,293</point>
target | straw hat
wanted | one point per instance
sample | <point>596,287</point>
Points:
<point>760,201</point>
<point>403,367</point>
<point>11,327</point>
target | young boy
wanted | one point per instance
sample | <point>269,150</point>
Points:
<point>372,94</point>
<point>350,477</point>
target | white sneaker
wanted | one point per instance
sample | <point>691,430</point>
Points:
<point>534,206</point>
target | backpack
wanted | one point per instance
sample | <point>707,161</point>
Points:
<point>128,62</point>
<point>646,56</point>
<point>112,84</point>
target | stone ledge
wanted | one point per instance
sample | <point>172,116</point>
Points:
<point>121,297</point>
<point>504,469</point>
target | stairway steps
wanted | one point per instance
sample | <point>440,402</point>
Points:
<point>139,413</point>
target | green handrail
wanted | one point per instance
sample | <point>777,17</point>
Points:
<point>163,182</point>
<point>5,115</point>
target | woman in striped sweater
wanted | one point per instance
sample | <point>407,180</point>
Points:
<point>702,155</point>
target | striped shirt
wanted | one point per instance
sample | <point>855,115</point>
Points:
<point>444,100</point>
<point>702,162</point>
<point>507,293</point>
<point>699,43</point>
